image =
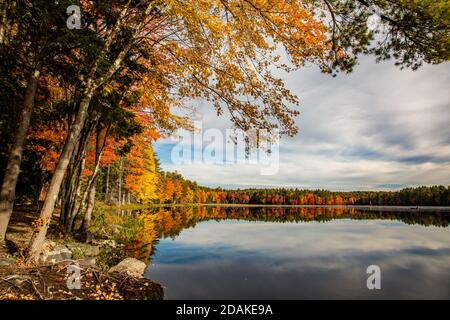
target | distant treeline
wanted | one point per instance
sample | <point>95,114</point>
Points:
<point>423,196</point>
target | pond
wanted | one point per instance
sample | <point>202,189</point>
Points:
<point>300,253</point>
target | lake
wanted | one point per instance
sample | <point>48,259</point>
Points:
<point>300,253</point>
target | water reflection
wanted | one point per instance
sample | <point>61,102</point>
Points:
<point>297,253</point>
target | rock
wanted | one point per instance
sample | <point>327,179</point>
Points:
<point>52,258</point>
<point>58,254</point>
<point>87,262</point>
<point>110,243</point>
<point>63,251</point>
<point>7,262</point>
<point>48,246</point>
<point>84,250</point>
<point>93,251</point>
<point>59,247</point>
<point>131,266</point>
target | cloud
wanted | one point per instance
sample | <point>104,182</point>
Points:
<point>379,126</point>
<point>265,260</point>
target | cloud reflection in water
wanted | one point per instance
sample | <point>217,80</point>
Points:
<point>234,259</point>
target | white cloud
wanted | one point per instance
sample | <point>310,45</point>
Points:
<point>379,125</point>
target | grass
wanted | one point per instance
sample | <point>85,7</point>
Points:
<point>134,234</point>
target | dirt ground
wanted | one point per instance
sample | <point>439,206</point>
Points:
<point>21,282</point>
<point>51,283</point>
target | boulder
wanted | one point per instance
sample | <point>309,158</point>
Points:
<point>83,249</point>
<point>131,266</point>
<point>109,243</point>
<point>87,262</point>
<point>63,251</point>
<point>48,246</point>
<point>57,254</point>
<point>51,258</point>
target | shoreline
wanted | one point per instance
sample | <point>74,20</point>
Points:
<point>94,258</point>
<point>237,205</point>
<point>105,269</point>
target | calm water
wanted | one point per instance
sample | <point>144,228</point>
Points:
<point>269,253</point>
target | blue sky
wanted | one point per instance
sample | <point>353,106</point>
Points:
<point>377,128</point>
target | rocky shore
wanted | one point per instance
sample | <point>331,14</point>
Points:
<point>70,271</point>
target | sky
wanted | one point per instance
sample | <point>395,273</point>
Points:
<point>378,128</point>
<point>310,260</point>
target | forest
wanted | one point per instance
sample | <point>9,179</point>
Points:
<point>419,196</point>
<point>85,92</point>
<point>173,188</point>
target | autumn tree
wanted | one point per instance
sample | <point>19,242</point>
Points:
<point>32,38</point>
<point>142,178</point>
<point>223,51</point>
<point>117,26</point>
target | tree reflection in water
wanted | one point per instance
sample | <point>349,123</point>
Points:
<point>166,222</point>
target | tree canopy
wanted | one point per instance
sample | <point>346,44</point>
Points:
<point>91,100</point>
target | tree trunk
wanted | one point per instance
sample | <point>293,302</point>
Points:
<point>119,200</point>
<point>74,175</point>
<point>107,185</point>
<point>39,191</point>
<point>92,185</point>
<point>68,227</point>
<point>98,157</point>
<point>8,191</point>
<point>69,184</point>
<point>90,208</point>
<point>38,236</point>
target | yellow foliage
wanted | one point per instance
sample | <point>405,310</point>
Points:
<point>224,51</point>
<point>142,178</point>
